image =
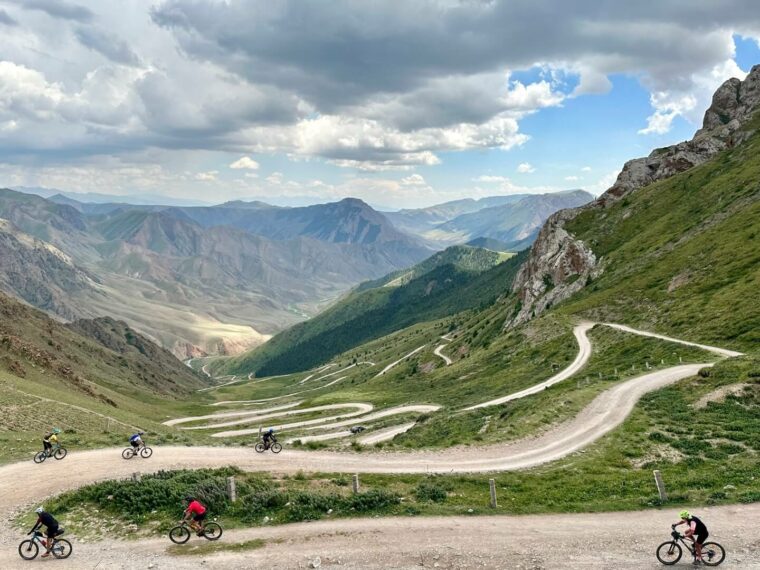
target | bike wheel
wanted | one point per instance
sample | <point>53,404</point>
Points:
<point>276,447</point>
<point>60,453</point>
<point>40,457</point>
<point>146,452</point>
<point>259,447</point>
<point>212,531</point>
<point>61,548</point>
<point>669,553</point>
<point>128,453</point>
<point>712,553</point>
<point>179,534</point>
<point>28,549</point>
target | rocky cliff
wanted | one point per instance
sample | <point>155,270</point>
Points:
<point>560,265</point>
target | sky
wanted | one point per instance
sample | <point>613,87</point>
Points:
<point>402,104</point>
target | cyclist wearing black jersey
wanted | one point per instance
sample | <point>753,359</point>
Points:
<point>51,528</point>
<point>696,531</point>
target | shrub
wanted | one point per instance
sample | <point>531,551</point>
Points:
<point>430,491</point>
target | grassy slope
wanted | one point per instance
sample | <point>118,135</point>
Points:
<point>440,290</point>
<point>706,455</point>
<point>135,383</point>
<point>682,256</point>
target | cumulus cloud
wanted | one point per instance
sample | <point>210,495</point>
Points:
<point>413,180</point>
<point>586,169</point>
<point>275,178</point>
<point>525,168</point>
<point>572,178</point>
<point>359,85</point>
<point>488,179</point>
<point>245,162</point>
<point>207,176</point>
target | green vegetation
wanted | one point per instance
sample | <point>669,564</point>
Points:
<point>682,255</point>
<point>446,285</point>
<point>706,449</point>
<point>97,380</point>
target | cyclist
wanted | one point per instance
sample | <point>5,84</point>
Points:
<point>136,440</point>
<point>269,437</point>
<point>696,531</point>
<point>52,528</point>
<point>49,439</point>
<point>195,514</point>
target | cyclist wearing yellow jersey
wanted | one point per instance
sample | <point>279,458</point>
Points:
<point>50,439</point>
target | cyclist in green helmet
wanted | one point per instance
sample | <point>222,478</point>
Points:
<point>696,531</point>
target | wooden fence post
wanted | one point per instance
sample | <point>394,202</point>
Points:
<point>356,482</point>
<point>492,487</point>
<point>231,491</point>
<point>136,477</point>
<point>660,485</point>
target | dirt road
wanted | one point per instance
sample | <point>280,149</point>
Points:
<point>584,353</point>
<point>570,541</point>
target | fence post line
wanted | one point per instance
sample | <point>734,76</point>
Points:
<point>492,487</point>
<point>231,491</point>
<point>660,485</point>
<point>355,483</point>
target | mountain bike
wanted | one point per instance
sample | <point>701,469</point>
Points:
<point>30,548</point>
<point>670,552</point>
<point>276,447</point>
<point>142,450</point>
<point>57,451</point>
<point>180,534</point>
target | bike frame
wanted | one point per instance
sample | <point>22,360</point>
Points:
<point>687,542</point>
<point>40,539</point>
<point>52,450</point>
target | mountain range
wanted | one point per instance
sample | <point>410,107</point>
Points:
<point>671,246</point>
<point>220,279</point>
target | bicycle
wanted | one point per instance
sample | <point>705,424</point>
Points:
<point>261,447</point>
<point>30,548</point>
<point>143,450</point>
<point>180,534</point>
<point>670,552</point>
<point>57,451</point>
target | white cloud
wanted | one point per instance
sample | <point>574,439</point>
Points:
<point>413,180</point>
<point>275,178</point>
<point>490,179</point>
<point>586,169</point>
<point>689,100</point>
<point>239,78</point>
<point>251,175</point>
<point>207,176</point>
<point>604,183</point>
<point>525,168</point>
<point>572,178</point>
<point>245,162</point>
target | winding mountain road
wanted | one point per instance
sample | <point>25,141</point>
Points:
<point>21,484</point>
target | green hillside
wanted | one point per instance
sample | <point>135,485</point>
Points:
<point>97,380</point>
<point>682,256</point>
<point>447,283</point>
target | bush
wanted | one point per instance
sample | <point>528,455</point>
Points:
<point>431,492</point>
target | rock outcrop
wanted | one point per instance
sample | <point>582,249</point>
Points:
<point>560,264</point>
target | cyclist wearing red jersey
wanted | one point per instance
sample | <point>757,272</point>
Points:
<point>195,514</point>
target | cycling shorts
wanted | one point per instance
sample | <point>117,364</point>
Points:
<point>198,517</point>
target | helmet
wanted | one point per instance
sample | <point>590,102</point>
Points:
<point>684,515</point>
<point>39,510</point>
<point>140,433</point>
<point>56,430</point>
<point>189,499</point>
